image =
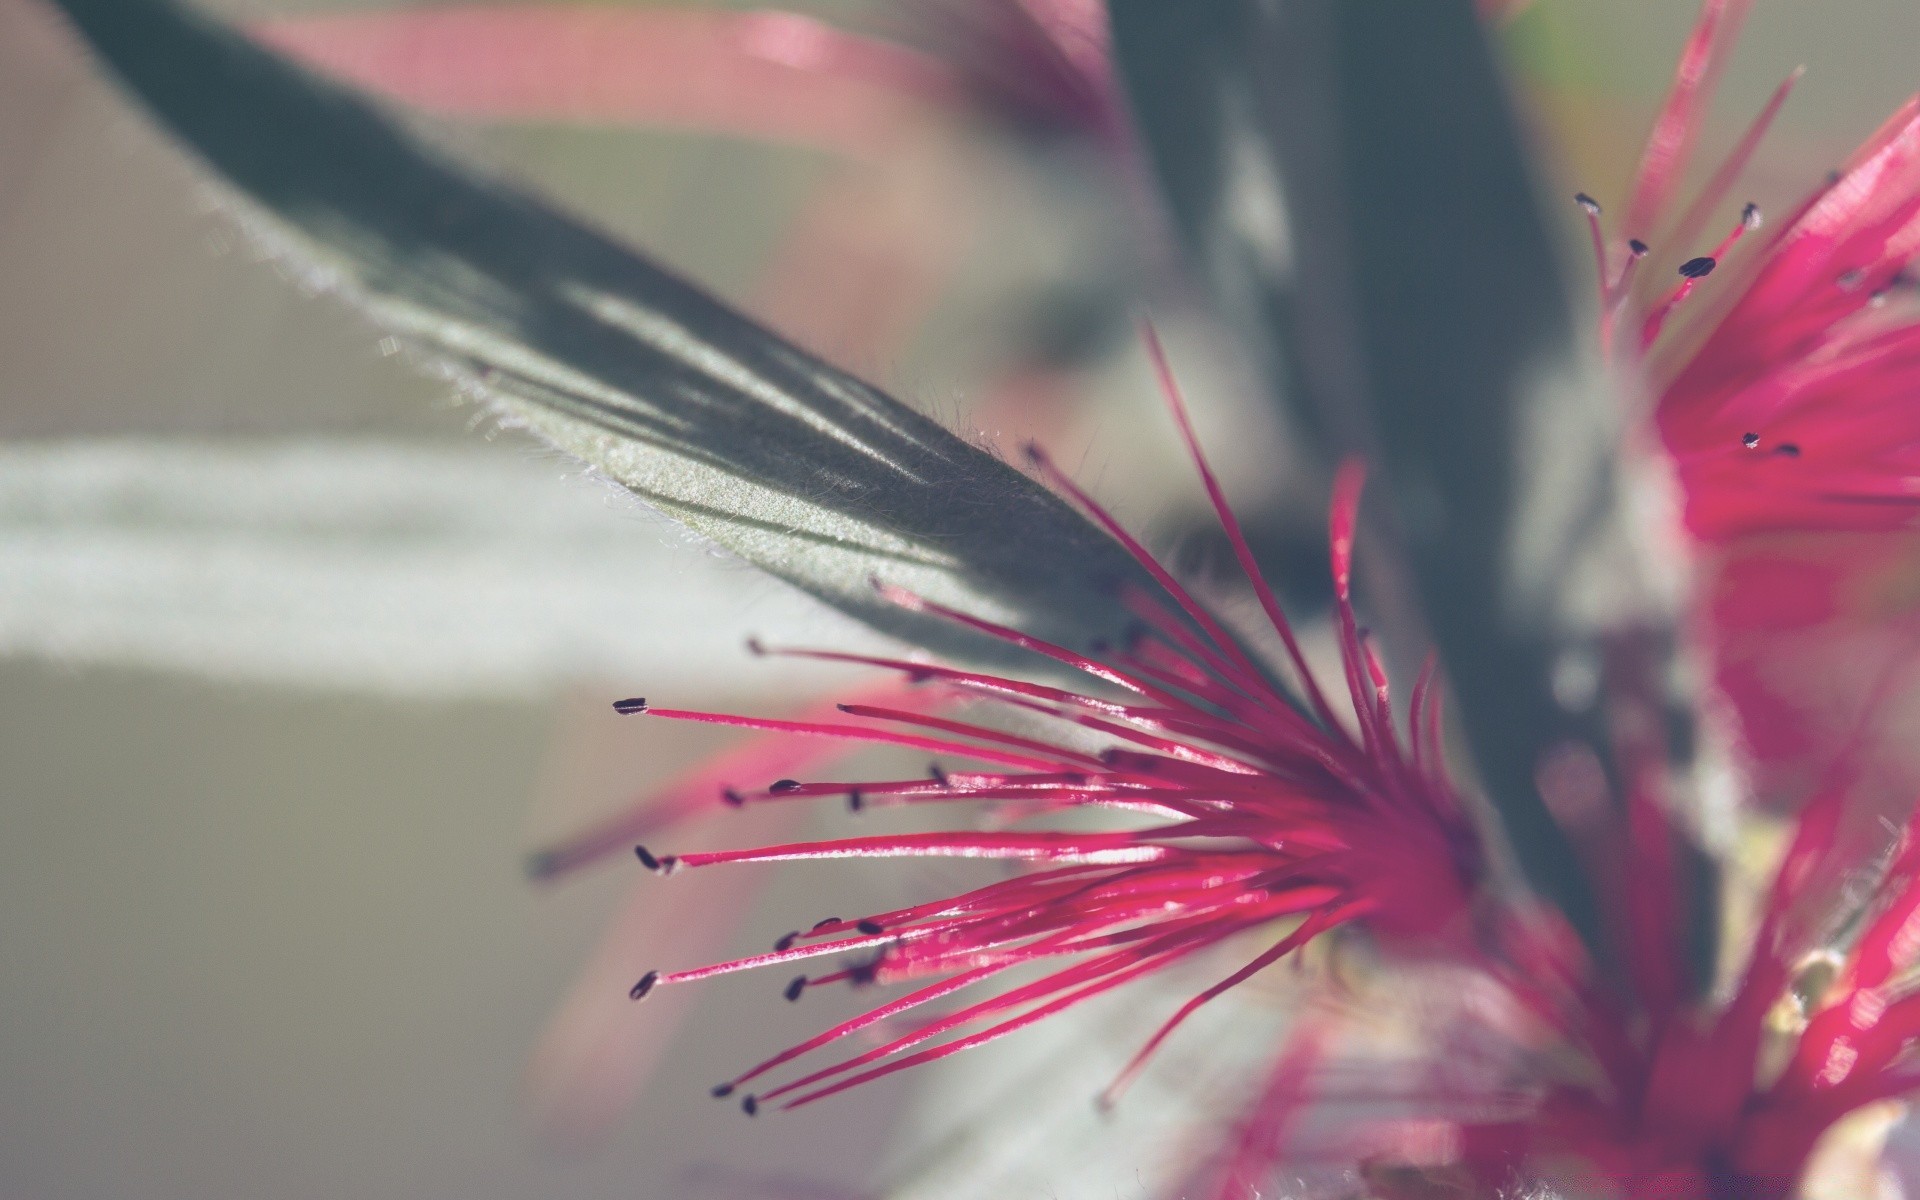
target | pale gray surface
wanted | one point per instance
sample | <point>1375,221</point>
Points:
<point>261,945</point>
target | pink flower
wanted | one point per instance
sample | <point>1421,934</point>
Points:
<point>1785,403</point>
<point>1782,367</point>
<point>1729,1101</point>
<point>1250,807</point>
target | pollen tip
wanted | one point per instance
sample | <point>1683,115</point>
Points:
<point>1035,455</point>
<point>1750,216</point>
<point>721,1091</point>
<point>732,798</point>
<point>750,1105</point>
<point>855,801</point>
<point>785,942</point>
<point>780,787</point>
<point>664,864</point>
<point>796,986</point>
<point>756,647</point>
<point>1587,202</point>
<point>541,864</point>
<point>1637,247</point>
<point>870,927</point>
<point>1750,440</point>
<point>630,706</point>
<point>1699,268</point>
<point>823,922</point>
<point>639,990</point>
<point>939,774</point>
<point>1787,450</point>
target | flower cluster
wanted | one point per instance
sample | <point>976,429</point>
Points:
<point>1158,800</point>
<point>1251,806</point>
<point>1783,406</point>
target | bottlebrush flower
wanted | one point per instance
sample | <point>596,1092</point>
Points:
<point>1783,369</point>
<point>1785,404</point>
<point>1650,1098</point>
<point>1255,807</point>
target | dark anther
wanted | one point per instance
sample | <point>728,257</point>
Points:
<point>794,988</point>
<point>870,928</point>
<point>1099,646</point>
<point>732,798</point>
<point>1750,440</point>
<point>862,974</point>
<point>1849,280</point>
<point>756,647</point>
<point>1034,453</point>
<point>939,775</point>
<point>1699,268</point>
<point>855,801</point>
<point>780,786</point>
<point>1637,247</point>
<point>640,990</point>
<point>665,864</point>
<point>749,1105</point>
<point>826,921</point>
<point>722,1090</point>
<point>1789,449</point>
<point>630,706</point>
<point>1750,216</point>
<point>786,942</point>
<point>1587,202</point>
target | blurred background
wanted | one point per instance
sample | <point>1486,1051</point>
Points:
<point>299,658</point>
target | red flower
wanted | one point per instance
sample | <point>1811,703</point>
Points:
<point>1786,405</point>
<point>1253,807</point>
<point>1729,1102</point>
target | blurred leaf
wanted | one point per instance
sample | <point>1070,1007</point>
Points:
<point>798,467</point>
<point>1351,185</point>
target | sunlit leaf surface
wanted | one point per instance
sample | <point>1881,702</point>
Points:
<point>794,465</point>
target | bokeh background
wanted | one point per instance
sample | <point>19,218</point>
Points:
<point>299,658</point>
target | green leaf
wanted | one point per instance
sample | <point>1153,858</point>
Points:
<point>794,465</point>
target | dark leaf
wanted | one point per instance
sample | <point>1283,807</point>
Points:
<point>1350,183</point>
<point>798,467</point>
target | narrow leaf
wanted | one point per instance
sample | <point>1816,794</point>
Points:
<point>1352,185</point>
<point>796,466</point>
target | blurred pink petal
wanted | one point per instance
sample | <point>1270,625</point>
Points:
<point>869,255</point>
<point>769,75</point>
<point>1040,62</point>
<point>1256,1143</point>
<point>1813,639</point>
